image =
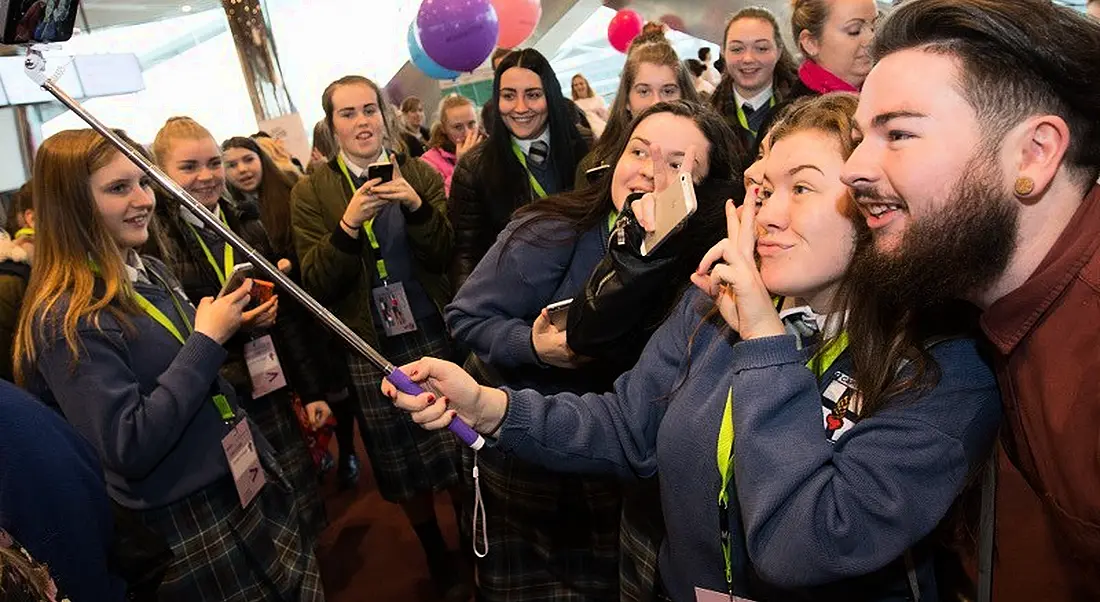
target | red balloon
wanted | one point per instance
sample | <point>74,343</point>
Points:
<point>518,19</point>
<point>623,28</point>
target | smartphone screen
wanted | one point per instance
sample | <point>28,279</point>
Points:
<point>380,170</point>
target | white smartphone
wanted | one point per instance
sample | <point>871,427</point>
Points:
<point>240,273</point>
<point>673,206</point>
<point>559,313</point>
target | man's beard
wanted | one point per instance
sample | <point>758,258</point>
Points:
<point>954,253</point>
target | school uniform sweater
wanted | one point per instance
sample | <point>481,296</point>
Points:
<point>142,401</point>
<point>495,309</point>
<point>815,506</point>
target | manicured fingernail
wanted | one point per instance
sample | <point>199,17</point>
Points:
<point>431,398</point>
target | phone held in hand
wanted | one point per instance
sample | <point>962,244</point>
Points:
<point>240,273</point>
<point>673,207</point>
<point>559,313</point>
<point>383,171</point>
<point>593,175</point>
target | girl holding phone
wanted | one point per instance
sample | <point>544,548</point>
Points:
<point>827,472</point>
<point>114,343</point>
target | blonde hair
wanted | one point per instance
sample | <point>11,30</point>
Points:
<point>177,128</point>
<point>587,87</point>
<point>439,134</point>
<point>69,240</point>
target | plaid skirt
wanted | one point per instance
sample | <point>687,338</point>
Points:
<point>275,418</point>
<point>406,459</point>
<point>225,553</point>
<point>641,531</point>
<point>552,537</point>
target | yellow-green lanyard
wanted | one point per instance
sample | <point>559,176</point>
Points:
<point>23,232</point>
<point>220,402</point>
<point>368,227</point>
<point>539,190</point>
<point>227,253</point>
<point>611,219</point>
<point>745,121</point>
<point>819,364</point>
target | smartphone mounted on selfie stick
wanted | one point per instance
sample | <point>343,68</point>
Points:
<point>36,69</point>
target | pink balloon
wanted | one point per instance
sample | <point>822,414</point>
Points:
<point>623,28</point>
<point>518,18</point>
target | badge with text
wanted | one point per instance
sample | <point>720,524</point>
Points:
<point>263,366</point>
<point>244,462</point>
<point>393,307</point>
<point>706,595</point>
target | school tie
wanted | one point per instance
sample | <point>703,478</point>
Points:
<point>538,152</point>
<point>803,324</point>
<point>748,110</point>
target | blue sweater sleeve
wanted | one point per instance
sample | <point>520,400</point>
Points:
<point>817,512</point>
<point>495,308</point>
<point>612,433</point>
<point>101,398</point>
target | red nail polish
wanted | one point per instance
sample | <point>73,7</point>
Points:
<point>431,398</point>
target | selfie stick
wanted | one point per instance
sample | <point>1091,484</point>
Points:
<point>36,70</point>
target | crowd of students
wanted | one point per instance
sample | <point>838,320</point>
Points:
<point>861,370</point>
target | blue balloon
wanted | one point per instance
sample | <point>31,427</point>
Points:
<point>423,61</point>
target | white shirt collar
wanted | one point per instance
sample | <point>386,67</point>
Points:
<point>525,145</point>
<point>356,170</point>
<point>194,220</point>
<point>135,268</point>
<point>756,101</point>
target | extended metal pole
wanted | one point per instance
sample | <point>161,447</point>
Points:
<point>35,65</point>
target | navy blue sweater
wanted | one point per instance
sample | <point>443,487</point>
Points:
<point>815,506</point>
<point>52,498</point>
<point>143,401</point>
<point>494,310</point>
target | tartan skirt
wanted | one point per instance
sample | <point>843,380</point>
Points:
<point>407,460</point>
<point>226,553</point>
<point>552,536</point>
<point>275,417</point>
<point>641,531</point>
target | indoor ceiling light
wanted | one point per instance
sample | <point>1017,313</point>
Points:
<point>186,8</point>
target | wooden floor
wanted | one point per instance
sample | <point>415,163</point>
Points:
<point>369,551</point>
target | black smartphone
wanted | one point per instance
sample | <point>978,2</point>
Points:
<point>380,170</point>
<point>594,174</point>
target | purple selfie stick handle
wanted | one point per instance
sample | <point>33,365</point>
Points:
<point>468,435</point>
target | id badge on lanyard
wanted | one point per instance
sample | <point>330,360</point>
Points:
<point>264,367</point>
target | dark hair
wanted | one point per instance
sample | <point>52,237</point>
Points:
<point>585,208</point>
<point>504,175</point>
<point>260,134</point>
<point>273,193</point>
<point>808,15</point>
<point>1018,58</point>
<point>22,200</point>
<point>619,117</point>
<point>412,103</point>
<point>498,54</point>
<point>784,77</point>
<point>704,53</point>
<point>323,140</point>
<point>695,67</point>
<point>392,138</point>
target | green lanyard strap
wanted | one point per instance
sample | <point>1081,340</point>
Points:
<point>745,121</point>
<point>220,402</point>
<point>368,227</point>
<point>611,219</point>
<point>227,253</point>
<point>539,190</point>
<point>819,364</point>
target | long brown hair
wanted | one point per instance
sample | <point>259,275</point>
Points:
<point>786,71</point>
<point>70,238</point>
<point>619,118</point>
<point>273,194</point>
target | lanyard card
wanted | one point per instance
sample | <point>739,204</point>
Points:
<point>393,307</point>
<point>706,595</point>
<point>263,366</point>
<point>244,462</point>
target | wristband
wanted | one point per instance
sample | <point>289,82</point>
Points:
<point>346,225</point>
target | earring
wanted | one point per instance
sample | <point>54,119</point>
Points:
<point>1024,186</point>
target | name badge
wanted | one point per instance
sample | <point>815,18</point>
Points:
<point>393,306</point>
<point>706,595</point>
<point>263,366</point>
<point>244,462</point>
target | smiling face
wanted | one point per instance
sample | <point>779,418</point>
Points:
<point>357,122</point>
<point>844,46</point>
<point>580,87</point>
<point>124,200</point>
<point>652,84</point>
<point>751,55</point>
<point>243,168</point>
<point>196,165</point>
<point>634,172</point>
<point>806,241</point>
<point>459,122</point>
<point>523,103</point>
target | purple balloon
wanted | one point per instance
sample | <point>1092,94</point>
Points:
<point>458,34</point>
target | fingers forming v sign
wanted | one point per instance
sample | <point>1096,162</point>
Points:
<point>728,274</point>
